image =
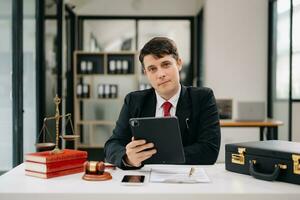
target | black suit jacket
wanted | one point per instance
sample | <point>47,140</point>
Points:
<point>200,133</point>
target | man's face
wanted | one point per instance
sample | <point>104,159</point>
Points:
<point>163,74</point>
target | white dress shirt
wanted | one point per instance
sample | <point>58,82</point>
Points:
<point>159,102</point>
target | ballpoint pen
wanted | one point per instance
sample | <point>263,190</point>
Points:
<point>187,121</point>
<point>192,170</point>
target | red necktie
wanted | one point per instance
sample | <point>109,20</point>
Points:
<point>167,107</point>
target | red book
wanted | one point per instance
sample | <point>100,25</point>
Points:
<point>54,166</point>
<point>49,157</point>
<point>54,174</point>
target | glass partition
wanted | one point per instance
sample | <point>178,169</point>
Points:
<point>29,77</point>
<point>296,50</point>
<point>282,68</point>
<point>6,85</point>
<point>109,35</point>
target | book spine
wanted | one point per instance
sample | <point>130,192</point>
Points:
<point>54,166</point>
<point>54,174</point>
<point>48,157</point>
<point>63,157</point>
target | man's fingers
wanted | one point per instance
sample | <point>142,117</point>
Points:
<point>138,158</point>
<point>143,147</point>
<point>137,151</point>
<point>146,154</point>
<point>135,143</point>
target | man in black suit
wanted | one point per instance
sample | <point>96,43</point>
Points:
<point>194,107</point>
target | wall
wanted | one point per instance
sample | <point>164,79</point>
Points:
<point>235,56</point>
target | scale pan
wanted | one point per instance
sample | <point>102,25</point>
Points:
<point>45,145</point>
<point>70,137</point>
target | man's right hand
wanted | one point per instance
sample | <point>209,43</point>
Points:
<point>136,152</point>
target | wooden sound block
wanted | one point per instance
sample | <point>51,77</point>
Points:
<point>97,177</point>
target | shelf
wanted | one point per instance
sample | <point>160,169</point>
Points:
<point>98,99</point>
<point>97,122</point>
<point>109,73</point>
<point>104,75</point>
<point>80,52</point>
<point>122,52</point>
<point>89,75</point>
<point>89,53</point>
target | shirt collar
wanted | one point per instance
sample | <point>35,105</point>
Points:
<point>173,100</point>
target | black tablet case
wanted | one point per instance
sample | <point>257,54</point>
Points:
<point>267,160</point>
<point>164,132</point>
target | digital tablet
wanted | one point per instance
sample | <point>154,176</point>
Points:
<point>164,133</point>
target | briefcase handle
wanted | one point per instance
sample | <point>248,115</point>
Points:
<point>263,176</point>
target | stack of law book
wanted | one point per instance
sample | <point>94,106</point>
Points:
<point>48,165</point>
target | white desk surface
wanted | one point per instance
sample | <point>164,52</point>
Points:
<point>224,185</point>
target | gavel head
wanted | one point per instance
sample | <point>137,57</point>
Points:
<point>94,167</point>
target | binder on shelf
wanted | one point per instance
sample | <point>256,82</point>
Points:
<point>86,91</point>
<point>83,67</point>
<point>79,91</point>
<point>119,66</point>
<point>112,67</point>
<point>125,66</point>
<point>114,91</point>
<point>92,63</point>
<point>106,91</point>
<point>100,91</point>
<point>89,67</point>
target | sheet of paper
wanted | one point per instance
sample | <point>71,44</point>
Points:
<point>178,174</point>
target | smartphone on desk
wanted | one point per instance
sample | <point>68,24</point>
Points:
<point>133,180</point>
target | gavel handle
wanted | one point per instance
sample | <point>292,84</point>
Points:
<point>110,166</point>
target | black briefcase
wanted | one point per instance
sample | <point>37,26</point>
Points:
<point>267,160</point>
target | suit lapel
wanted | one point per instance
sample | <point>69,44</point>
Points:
<point>183,112</point>
<point>149,106</point>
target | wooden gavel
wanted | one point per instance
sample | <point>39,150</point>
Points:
<point>94,167</point>
<point>95,171</point>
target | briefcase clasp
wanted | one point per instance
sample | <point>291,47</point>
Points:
<point>296,159</point>
<point>240,157</point>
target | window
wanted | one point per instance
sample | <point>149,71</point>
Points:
<point>296,50</point>
<point>283,50</point>
<point>285,72</point>
<point>109,35</point>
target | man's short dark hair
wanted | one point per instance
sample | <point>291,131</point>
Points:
<point>159,47</point>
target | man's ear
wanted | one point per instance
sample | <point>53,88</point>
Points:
<point>179,64</point>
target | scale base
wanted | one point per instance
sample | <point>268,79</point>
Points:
<point>57,151</point>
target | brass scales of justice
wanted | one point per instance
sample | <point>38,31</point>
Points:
<point>50,145</point>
